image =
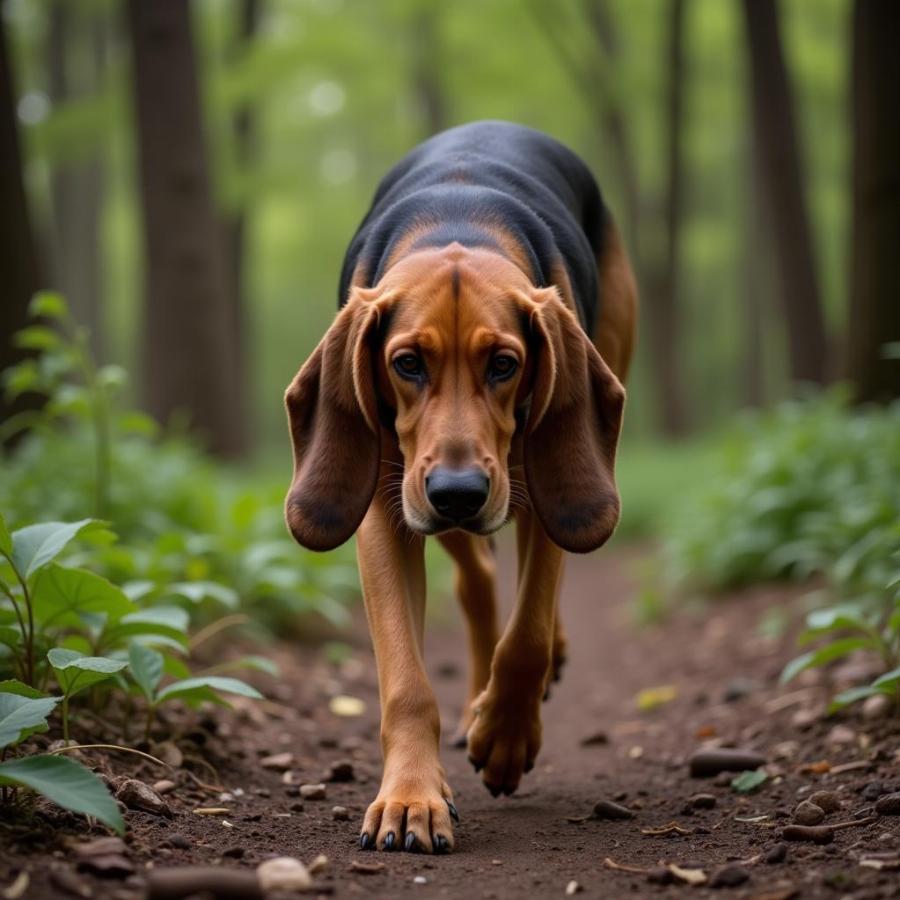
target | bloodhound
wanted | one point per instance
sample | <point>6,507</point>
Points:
<point>473,375</point>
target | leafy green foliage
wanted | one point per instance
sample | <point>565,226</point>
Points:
<point>749,781</point>
<point>812,488</point>
<point>21,716</point>
<point>66,783</point>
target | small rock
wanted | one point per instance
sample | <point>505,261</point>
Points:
<point>737,689</point>
<point>805,718</point>
<point>179,841</point>
<point>312,791</point>
<point>841,734</point>
<point>596,739</point>
<point>319,865</point>
<point>606,809</point>
<point>730,875</point>
<point>828,801</point>
<point>660,875</point>
<point>236,852</point>
<point>340,813</point>
<point>808,813</point>
<point>713,760</point>
<point>876,707</point>
<point>169,753</point>
<point>362,868</point>
<point>280,762</point>
<point>341,771</point>
<point>163,787</point>
<point>815,834</point>
<point>702,801</point>
<point>873,790</point>
<point>776,854</point>
<point>888,805</point>
<point>137,795</point>
<point>572,888</point>
<point>284,873</point>
<point>420,879</point>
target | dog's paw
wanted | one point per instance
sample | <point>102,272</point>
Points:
<point>504,740</point>
<point>410,813</point>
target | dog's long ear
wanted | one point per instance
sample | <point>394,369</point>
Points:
<point>332,415</point>
<point>572,429</point>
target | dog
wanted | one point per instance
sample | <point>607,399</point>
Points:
<point>473,375</point>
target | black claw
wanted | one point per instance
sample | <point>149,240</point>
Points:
<point>441,844</point>
<point>529,765</point>
<point>454,814</point>
<point>495,791</point>
<point>410,845</point>
<point>509,790</point>
<point>459,742</point>
<point>365,841</point>
<point>477,765</point>
<point>389,841</point>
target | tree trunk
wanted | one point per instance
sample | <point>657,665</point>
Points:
<point>874,318</point>
<point>18,255</point>
<point>782,179</point>
<point>77,187</point>
<point>235,228</point>
<point>187,353</point>
<point>427,69</point>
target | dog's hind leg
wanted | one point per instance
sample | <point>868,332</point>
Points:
<point>477,592</point>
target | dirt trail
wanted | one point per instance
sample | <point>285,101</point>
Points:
<point>724,676</point>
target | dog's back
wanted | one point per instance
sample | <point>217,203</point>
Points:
<point>466,183</point>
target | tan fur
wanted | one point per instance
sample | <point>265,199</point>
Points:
<point>456,306</point>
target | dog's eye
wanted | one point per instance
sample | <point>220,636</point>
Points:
<point>502,366</point>
<point>408,365</point>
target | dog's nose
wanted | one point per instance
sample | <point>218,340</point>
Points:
<point>457,493</point>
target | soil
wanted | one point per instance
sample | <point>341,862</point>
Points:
<point>718,671</point>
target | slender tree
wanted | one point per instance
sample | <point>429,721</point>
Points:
<point>874,315</point>
<point>77,185</point>
<point>18,255</point>
<point>187,354</point>
<point>781,177</point>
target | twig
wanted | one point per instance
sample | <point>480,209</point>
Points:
<point>109,747</point>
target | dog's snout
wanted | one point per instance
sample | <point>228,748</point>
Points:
<point>457,493</point>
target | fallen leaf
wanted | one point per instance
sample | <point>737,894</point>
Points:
<point>705,731</point>
<point>344,705</point>
<point>821,767</point>
<point>651,698</point>
<point>749,781</point>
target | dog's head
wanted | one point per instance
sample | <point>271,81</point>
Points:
<point>453,358</point>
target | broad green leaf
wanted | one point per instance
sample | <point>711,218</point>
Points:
<point>14,686</point>
<point>66,783</point>
<point>48,304</point>
<point>258,663</point>
<point>167,622</point>
<point>61,594</point>
<point>10,637</point>
<point>21,716</point>
<point>889,680</point>
<point>75,672</point>
<point>197,591</point>
<point>5,538</point>
<point>37,337</point>
<point>749,781</point>
<point>216,682</point>
<point>826,654</point>
<point>845,698</point>
<point>146,668</point>
<point>199,695</point>
<point>36,545</point>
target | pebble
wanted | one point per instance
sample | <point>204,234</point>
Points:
<point>606,809</point>
<point>598,738</point>
<point>164,787</point>
<point>808,813</point>
<point>702,801</point>
<point>776,854</point>
<point>841,734</point>
<point>340,813</point>
<point>713,760</point>
<point>319,865</point>
<point>341,771</point>
<point>312,791</point>
<point>284,873</point>
<point>137,795</point>
<point>876,707</point>
<point>730,875</point>
<point>805,718</point>
<point>737,689</point>
<point>888,805</point>
<point>828,801</point>
<point>420,879</point>
<point>179,841</point>
<point>873,790</point>
<point>816,834</point>
<point>572,888</point>
<point>280,762</point>
<point>236,852</point>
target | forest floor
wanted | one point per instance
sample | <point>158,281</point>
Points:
<point>721,674</point>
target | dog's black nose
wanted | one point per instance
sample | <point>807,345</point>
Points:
<point>457,493</point>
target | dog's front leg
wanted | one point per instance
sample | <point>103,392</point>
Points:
<point>506,735</point>
<point>413,808</point>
